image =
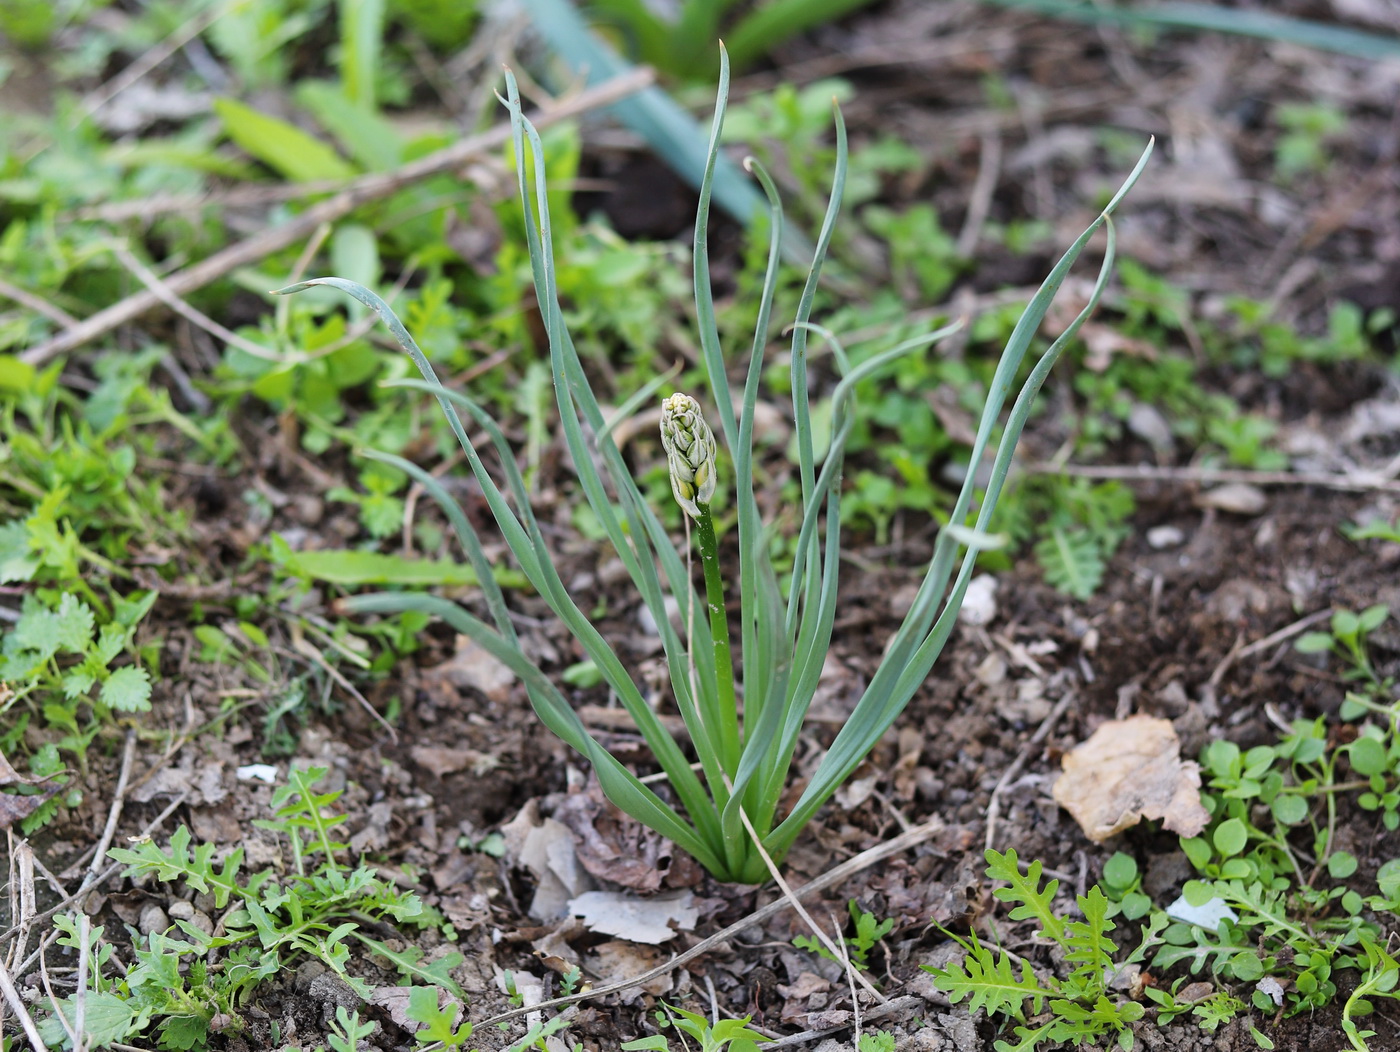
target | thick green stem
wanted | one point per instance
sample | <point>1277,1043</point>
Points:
<point>719,637</point>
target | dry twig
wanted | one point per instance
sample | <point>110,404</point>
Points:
<point>359,192</point>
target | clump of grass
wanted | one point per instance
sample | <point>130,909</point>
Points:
<point>744,733</point>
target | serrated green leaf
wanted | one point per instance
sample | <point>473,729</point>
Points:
<point>1072,561</point>
<point>128,690</point>
<point>1037,903</point>
<point>110,640</point>
<point>107,1018</point>
<point>986,979</point>
<point>409,963</point>
<point>1086,943</point>
<point>77,681</point>
<point>17,559</point>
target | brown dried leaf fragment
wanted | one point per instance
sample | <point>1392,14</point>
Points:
<point>1129,770</point>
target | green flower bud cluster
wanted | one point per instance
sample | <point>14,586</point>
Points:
<point>690,452</point>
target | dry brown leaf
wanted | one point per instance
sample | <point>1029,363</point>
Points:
<point>17,808</point>
<point>1129,770</point>
<point>470,668</point>
<point>617,961</point>
<point>443,760</point>
<point>651,920</point>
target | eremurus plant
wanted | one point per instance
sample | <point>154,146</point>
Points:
<point>744,736</point>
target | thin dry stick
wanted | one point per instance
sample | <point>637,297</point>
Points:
<point>91,883</point>
<point>12,998</point>
<point>58,1012</point>
<point>303,647</point>
<point>1042,732</point>
<point>23,967</point>
<point>894,1006</point>
<point>193,315</point>
<point>836,950</point>
<point>1287,632</point>
<point>359,192</point>
<point>157,205</point>
<point>979,202</point>
<point>37,304</point>
<point>1358,481</point>
<point>118,799</point>
<point>847,869</point>
<point>80,995</point>
<point>851,974</point>
<point>95,100</point>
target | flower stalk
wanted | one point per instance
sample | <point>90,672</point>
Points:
<point>691,457</point>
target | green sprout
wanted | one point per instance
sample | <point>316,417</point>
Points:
<point>744,736</point>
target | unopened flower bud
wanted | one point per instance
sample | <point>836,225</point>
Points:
<point>690,452</point>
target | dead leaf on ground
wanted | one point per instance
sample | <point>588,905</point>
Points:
<point>617,961</point>
<point>636,919</point>
<point>615,847</point>
<point>546,848</point>
<point>443,760</point>
<point>1238,498</point>
<point>9,776</point>
<point>394,1000</point>
<point>471,668</point>
<point>17,808</point>
<point>1129,770</point>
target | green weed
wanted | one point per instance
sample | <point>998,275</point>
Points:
<point>869,930</point>
<point>183,983</point>
<point>726,1035</point>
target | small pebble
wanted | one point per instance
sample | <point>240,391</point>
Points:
<point>1160,537</point>
<point>648,622</point>
<point>152,919</point>
<point>1239,498</point>
<point>980,604</point>
<point>199,919</point>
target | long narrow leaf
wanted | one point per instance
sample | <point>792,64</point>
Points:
<point>898,677</point>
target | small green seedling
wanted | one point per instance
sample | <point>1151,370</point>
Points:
<point>726,1035</point>
<point>1123,883</point>
<point>1347,640</point>
<point>186,982</point>
<point>1082,1008</point>
<point>869,930</point>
